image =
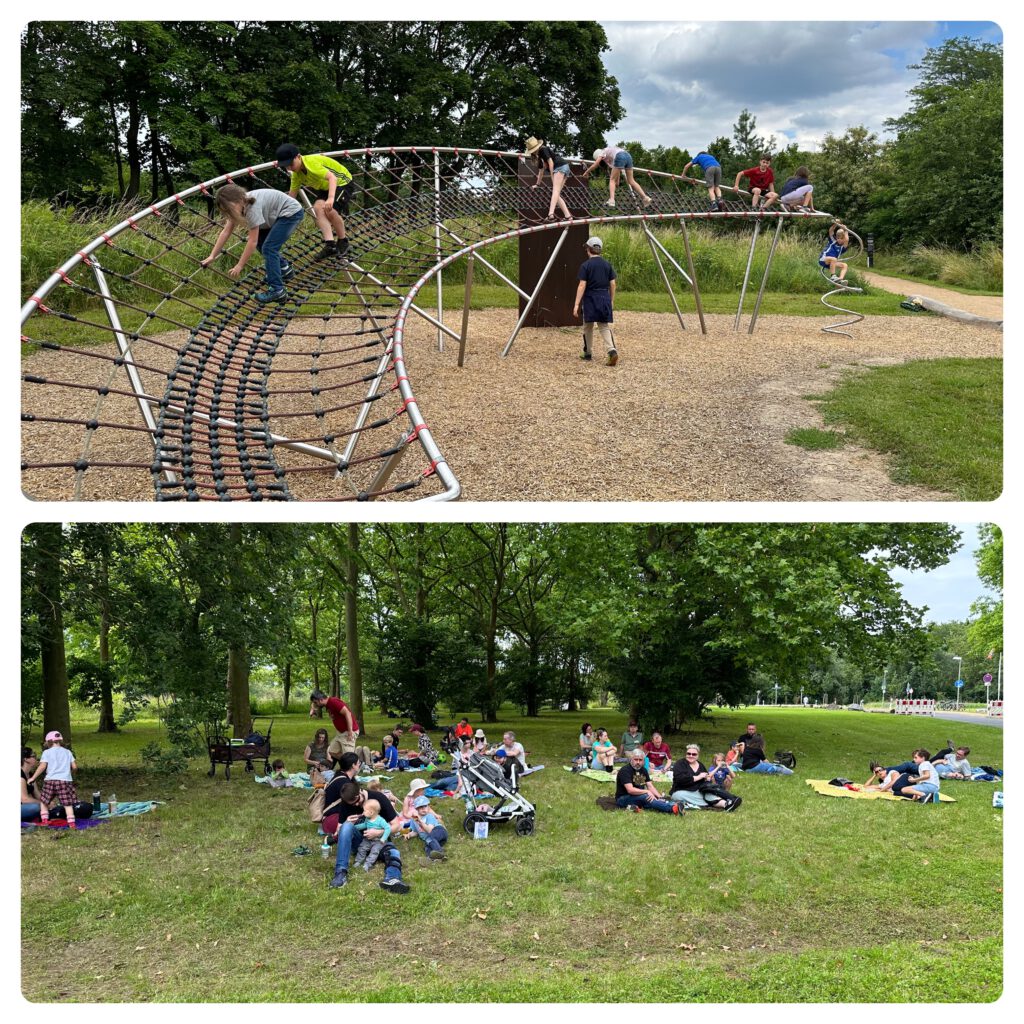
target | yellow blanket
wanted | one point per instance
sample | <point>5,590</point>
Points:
<point>821,786</point>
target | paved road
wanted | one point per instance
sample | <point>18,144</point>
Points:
<point>963,716</point>
<point>990,306</point>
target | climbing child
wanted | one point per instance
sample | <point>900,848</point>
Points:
<point>370,849</point>
<point>547,159</point>
<point>838,243</point>
<point>270,218</point>
<point>331,185</point>
<point>712,177</point>
<point>618,161</point>
<point>58,762</point>
<point>597,293</point>
<point>798,192</point>
<point>761,179</point>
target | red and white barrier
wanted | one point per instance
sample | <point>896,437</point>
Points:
<point>914,707</point>
<point>994,709</point>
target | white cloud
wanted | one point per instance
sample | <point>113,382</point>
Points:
<point>685,83</point>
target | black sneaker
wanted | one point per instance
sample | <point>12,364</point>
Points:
<point>736,801</point>
<point>287,271</point>
<point>330,249</point>
<point>437,855</point>
<point>339,881</point>
<point>342,246</point>
<point>586,357</point>
<point>395,885</point>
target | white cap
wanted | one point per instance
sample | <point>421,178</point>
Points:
<point>598,154</point>
<point>595,243</point>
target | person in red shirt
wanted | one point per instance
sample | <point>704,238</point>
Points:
<point>657,751</point>
<point>761,179</point>
<point>464,731</point>
<point>345,725</point>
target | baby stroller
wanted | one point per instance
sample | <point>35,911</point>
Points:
<point>488,776</point>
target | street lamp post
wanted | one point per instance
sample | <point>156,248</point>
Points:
<point>959,676</point>
<point>758,697</point>
<point>776,694</point>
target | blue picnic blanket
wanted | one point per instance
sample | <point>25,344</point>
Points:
<point>127,809</point>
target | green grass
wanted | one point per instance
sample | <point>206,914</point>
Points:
<point>939,421</point>
<point>978,273</point>
<point>793,898</point>
<point>814,440</point>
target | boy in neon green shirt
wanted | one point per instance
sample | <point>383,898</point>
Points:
<point>330,184</point>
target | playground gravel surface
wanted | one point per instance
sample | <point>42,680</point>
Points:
<point>682,417</point>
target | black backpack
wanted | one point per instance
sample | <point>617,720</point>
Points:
<point>786,757</point>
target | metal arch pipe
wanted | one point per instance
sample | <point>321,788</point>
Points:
<point>746,275</point>
<point>764,278</point>
<point>664,276</point>
<point>536,291</point>
<point>437,247</point>
<point>693,278</point>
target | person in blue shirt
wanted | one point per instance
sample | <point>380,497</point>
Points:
<point>596,292</point>
<point>838,243</point>
<point>389,759</point>
<point>712,177</point>
<point>429,827</point>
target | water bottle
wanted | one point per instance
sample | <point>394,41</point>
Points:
<point>97,802</point>
<point>112,804</point>
<point>325,849</point>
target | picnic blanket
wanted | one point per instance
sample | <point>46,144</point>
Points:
<point>822,786</point>
<point>297,780</point>
<point>61,823</point>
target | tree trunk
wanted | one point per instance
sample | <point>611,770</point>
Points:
<point>132,148</point>
<point>238,690</point>
<point>314,614</point>
<point>532,696</point>
<point>287,686</point>
<point>117,148</point>
<point>355,670</point>
<point>336,657</point>
<point>56,706</point>
<point>107,722</point>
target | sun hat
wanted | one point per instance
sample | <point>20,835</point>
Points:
<point>480,735</point>
<point>285,154</point>
<point>416,785</point>
<point>54,735</point>
<point>533,144</point>
<point>421,801</point>
<point>598,154</point>
<point>595,243</point>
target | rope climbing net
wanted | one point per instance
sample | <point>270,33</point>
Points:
<point>146,373</point>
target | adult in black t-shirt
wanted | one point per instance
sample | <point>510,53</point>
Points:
<point>633,787</point>
<point>350,799</point>
<point>689,778</point>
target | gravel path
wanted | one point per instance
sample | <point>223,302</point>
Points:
<point>683,417</point>
<point>990,306</point>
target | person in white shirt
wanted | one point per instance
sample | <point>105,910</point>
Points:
<point>924,780</point>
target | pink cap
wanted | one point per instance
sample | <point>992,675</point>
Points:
<point>51,736</point>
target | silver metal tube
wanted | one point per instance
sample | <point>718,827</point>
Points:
<point>685,276</point>
<point>412,305</point>
<point>764,279</point>
<point>693,278</point>
<point>296,446</point>
<point>437,245</point>
<point>746,275</point>
<point>374,387</point>
<point>129,360</point>
<point>536,291</point>
<point>664,276</point>
<point>379,482</point>
<point>465,308</point>
<point>490,266</point>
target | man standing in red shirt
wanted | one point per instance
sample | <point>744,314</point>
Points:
<point>761,179</point>
<point>345,725</point>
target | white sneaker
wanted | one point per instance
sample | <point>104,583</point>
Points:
<point>610,203</point>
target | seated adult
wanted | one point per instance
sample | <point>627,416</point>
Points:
<point>658,753</point>
<point>513,748</point>
<point>952,764</point>
<point>632,738</point>
<point>425,753</point>
<point>753,758</point>
<point>603,752</point>
<point>343,802</point>
<point>924,781</point>
<point>690,778</point>
<point>396,736</point>
<point>317,755</point>
<point>31,804</point>
<point>463,731</point>
<point>751,736</point>
<point>634,789</point>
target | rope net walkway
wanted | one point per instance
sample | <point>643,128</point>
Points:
<point>152,376</point>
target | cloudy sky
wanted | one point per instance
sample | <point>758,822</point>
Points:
<point>685,83</point>
<point>949,590</point>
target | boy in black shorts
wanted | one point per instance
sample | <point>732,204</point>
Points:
<point>596,291</point>
<point>331,185</point>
